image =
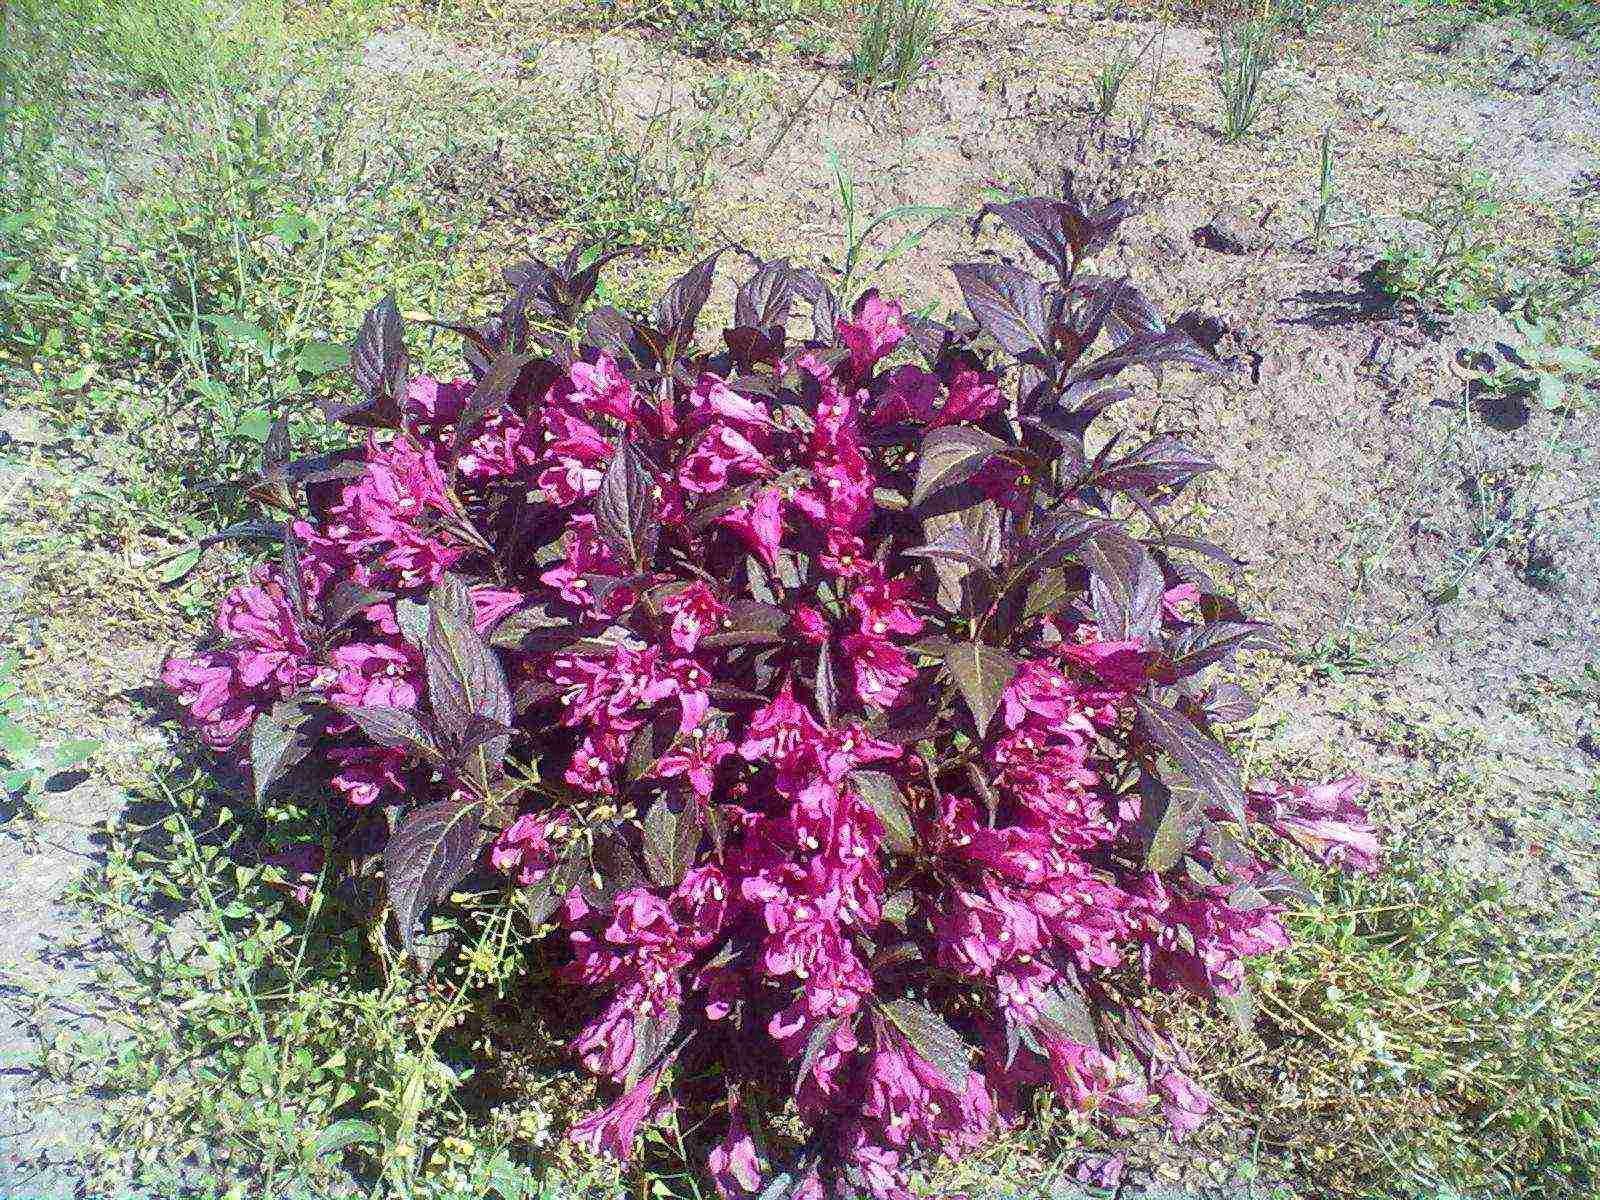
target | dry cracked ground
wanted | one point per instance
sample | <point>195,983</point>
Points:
<point>1430,558</point>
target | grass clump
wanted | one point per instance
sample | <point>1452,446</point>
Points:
<point>1249,51</point>
<point>896,41</point>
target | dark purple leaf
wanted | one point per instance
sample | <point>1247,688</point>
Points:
<point>465,679</point>
<point>884,795</point>
<point>766,299</point>
<point>1153,351</point>
<point>680,307</point>
<point>933,1040</point>
<point>277,742</point>
<point>1194,649</point>
<point>826,685</point>
<point>824,305</point>
<point>393,729</point>
<point>1064,1011</point>
<point>1170,816</point>
<point>950,456</point>
<point>1163,462</point>
<point>820,1040</point>
<point>671,837</point>
<point>294,580</point>
<point>1203,760</point>
<point>1125,585</point>
<point>1007,303</point>
<point>1225,703</point>
<point>491,393</point>
<point>431,851</point>
<point>981,674</point>
<point>1041,223</point>
<point>381,369</point>
<point>345,599</point>
<point>1056,536</point>
<point>275,450</point>
<point>749,621</point>
<point>627,505</point>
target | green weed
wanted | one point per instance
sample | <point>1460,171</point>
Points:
<point>1452,260</point>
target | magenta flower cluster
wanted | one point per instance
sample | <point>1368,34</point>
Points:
<point>817,696</point>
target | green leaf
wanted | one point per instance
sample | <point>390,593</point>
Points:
<point>16,742</point>
<point>15,782</point>
<point>1241,1006</point>
<point>1552,390</point>
<point>75,753</point>
<point>321,358</point>
<point>256,425</point>
<point>173,569</point>
<point>888,801</point>
<point>341,1135</point>
<point>238,329</point>
<point>1570,358</point>
<point>932,1039</point>
<point>981,674</point>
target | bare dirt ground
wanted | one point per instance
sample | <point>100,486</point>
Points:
<point>1359,482</point>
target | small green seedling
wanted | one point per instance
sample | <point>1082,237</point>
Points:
<point>26,762</point>
<point>1539,366</point>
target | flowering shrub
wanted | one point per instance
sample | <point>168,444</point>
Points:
<point>844,717</point>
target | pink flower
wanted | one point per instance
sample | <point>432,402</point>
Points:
<point>722,453</point>
<point>778,729</point>
<point>614,1130</point>
<point>971,396</point>
<point>809,624</point>
<point>1122,664</point>
<point>714,397</point>
<point>523,848</point>
<point>375,676</point>
<point>759,524</point>
<point>215,699</point>
<point>368,775</point>
<point>695,612</point>
<point>884,606</point>
<point>1183,1103</point>
<point>696,760</point>
<point>1325,821</point>
<point>735,1169</point>
<point>601,387</point>
<point>877,328</point>
<point>881,668</point>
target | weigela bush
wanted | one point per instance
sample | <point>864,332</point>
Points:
<point>845,720</point>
